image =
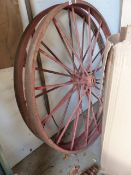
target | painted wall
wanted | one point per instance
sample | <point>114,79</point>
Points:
<point>110,9</point>
<point>126,13</point>
<point>16,139</point>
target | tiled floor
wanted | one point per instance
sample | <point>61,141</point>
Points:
<point>46,161</point>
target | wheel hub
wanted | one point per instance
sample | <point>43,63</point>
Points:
<point>87,80</point>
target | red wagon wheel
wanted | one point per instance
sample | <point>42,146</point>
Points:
<point>75,96</point>
<point>19,67</point>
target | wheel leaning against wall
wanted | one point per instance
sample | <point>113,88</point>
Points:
<point>76,96</point>
<point>19,67</point>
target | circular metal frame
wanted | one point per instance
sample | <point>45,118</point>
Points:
<point>20,64</point>
<point>30,78</point>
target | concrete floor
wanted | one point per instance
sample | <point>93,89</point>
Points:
<point>46,161</point>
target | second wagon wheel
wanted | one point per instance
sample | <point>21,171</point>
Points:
<point>72,66</point>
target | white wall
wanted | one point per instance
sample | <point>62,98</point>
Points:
<point>23,12</point>
<point>126,13</point>
<point>15,137</point>
<point>110,9</point>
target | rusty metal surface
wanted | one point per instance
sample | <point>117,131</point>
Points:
<point>29,114</point>
<point>21,59</point>
<point>30,67</point>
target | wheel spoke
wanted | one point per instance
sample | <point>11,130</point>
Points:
<point>76,29</point>
<point>52,72</point>
<point>88,48</point>
<point>69,120</point>
<point>60,104</point>
<point>94,117</point>
<point>100,61</point>
<point>96,38</point>
<point>83,34</point>
<point>42,78</point>
<point>97,98</point>
<point>89,40</point>
<point>92,41</point>
<point>53,86</point>
<point>67,41</point>
<point>75,129</point>
<point>94,129</point>
<point>88,116</point>
<point>62,35</point>
<point>92,47</point>
<point>71,34</point>
<point>47,91</point>
<point>96,87</point>
<point>97,82</point>
<point>98,79</point>
<point>64,115</point>
<point>76,123</point>
<point>55,59</point>
<point>97,54</point>
<point>98,69</point>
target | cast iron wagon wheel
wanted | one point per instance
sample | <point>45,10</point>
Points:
<point>79,76</point>
<point>19,67</point>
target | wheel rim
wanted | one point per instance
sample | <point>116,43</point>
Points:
<point>76,76</point>
<point>19,65</point>
<point>31,101</point>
